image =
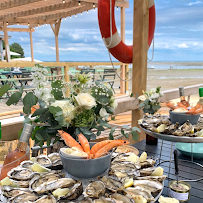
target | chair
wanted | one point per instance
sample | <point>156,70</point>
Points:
<point>109,77</point>
<point>24,83</point>
<point>89,70</point>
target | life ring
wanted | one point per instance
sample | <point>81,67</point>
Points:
<point>118,49</point>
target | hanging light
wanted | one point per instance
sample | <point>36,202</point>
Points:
<point>28,24</point>
<point>70,16</point>
<point>65,18</point>
<point>79,3</point>
<point>87,11</point>
<point>94,9</point>
<point>46,24</point>
<point>7,23</point>
<point>93,5</point>
<point>75,15</point>
<point>117,8</point>
<point>38,24</point>
<point>17,23</point>
<point>63,1</point>
<point>81,13</point>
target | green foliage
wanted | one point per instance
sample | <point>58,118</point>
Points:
<point>15,47</point>
<point>4,89</point>
<point>85,118</point>
<point>57,86</point>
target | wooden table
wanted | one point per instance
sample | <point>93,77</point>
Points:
<point>186,170</point>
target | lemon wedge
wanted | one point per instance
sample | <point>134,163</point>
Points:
<point>199,133</point>
<point>161,128</point>
<point>60,192</point>
<point>132,158</point>
<point>143,157</point>
<point>128,182</point>
<point>38,168</point>
<point>33,159</point>
<point>7,181</point>
<point>139,199</point>
<point>158,171</point>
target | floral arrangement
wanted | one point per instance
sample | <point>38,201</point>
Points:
<point>149,101</point>
<point>75,107</point>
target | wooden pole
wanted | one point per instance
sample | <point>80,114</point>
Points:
<point>122,67</point>
<point>66,77</point>
<point>140,48</point>
<point>31,45</point>
<point>7,48</point>
<point>126,77</point>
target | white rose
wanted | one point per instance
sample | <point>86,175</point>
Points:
<point>86,100</point>
<point>142,97</point>
<point>103,113</point>
<point>114,104</point>
<point>152,91</point>
<point>154,97</point>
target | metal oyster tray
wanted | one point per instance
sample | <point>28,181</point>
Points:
<point>173,138</point>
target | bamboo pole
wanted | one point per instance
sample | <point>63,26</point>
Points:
<point>140,48</point>
<point>31,45</point>
<point>122,67</point>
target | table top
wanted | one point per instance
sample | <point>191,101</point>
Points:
<point>186,170</point>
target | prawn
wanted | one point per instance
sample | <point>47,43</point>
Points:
<point>197,111</point>
<point>69,140</point>
<point>104,150</point>
<point>182,105</point>
<point>99,145</point>
<point>171,105</point>
<point>193,109</point>
<point>85,144</point>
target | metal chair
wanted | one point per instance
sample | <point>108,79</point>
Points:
<point>24,83</point>
<point>89,70</point>
<point>109,77</point>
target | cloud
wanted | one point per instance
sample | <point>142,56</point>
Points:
<point>195,3</point>
<point>183,45</point>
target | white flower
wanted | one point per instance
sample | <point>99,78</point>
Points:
<point>142,97</point>
<point>113,103</point>
<point>161,94</point>
<point>86,100</point>
<point>103,113</point>
<point>154,97</point>
<point>152,91</point>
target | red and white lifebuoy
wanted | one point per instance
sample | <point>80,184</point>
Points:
<point>118,49</point>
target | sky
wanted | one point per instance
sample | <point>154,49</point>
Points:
<point>178,35</point>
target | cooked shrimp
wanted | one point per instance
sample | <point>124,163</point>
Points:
<point>69,140</point>
<point>181,105</point>
<point>85,144</point>
<point>104,150</point>
<point>99,145</point>
<point>171,105</point>
<point>193,109</point>
<point>197,111</point>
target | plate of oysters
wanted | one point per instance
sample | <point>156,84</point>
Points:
<point>160,126</point>
<point>130,179</point>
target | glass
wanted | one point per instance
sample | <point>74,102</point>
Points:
<point>10,146</point>
<point>151,140</point>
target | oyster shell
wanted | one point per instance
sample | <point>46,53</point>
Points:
<point>94,189</point>
<point>127,149</point>
<point>104,200</point>
<point>147,171</point>
<point>156,178</point>
<point>147,163</point>
<point>24,197</point>
<point>125,166</point>
<point>54,156</point>
<point>112,183</point>
<point>46,199</point>
<point>56,161</point>
<point>122,198</point>
<point>19,173</point>
<point>87,200</point>
<point>51,185</point>
<point>150,185</point>
<point>9,191</point>
<point>43,160</point>
<point>26,164</point>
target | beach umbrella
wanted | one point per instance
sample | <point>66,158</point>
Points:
<point>11,53</point>
<point>25,59</point>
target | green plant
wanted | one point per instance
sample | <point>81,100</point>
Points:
<point>84,109</point>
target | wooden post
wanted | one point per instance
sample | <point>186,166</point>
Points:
<point>7,48</point>
<point>122,67</point>
<point>31,45</point>
<point>126,77</point>
<point>140,48</point>
<point>67,79</point>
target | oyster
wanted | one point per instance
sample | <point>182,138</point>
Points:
<point>157,178</point>
<point>94,189</point>
<point>139,191</point>
<point>56,161</point>
<point>127,149</point>
<point>150,185</point>
<point>147,163</point>
<point>184,129</point>
<point>125,166</point>
<point>87,200</point>
<point>54,157</point>
<point>147,171</point>
<point>104,200</point>
<point>122,198</point>
<point>50,186</point>
<point>112,183</point>
<point>44,160</point>
<point>9,191</point>
<point>19,173</point>
<point>46,199</point>
<point>71,193</point>
<point>26,164</point>
<point>24,197</point>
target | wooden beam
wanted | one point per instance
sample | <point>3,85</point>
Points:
<point>15,3</point>
<point>13,29</point>
<point>40,10</point>
<point>31,46</point>
<point>7,48</point>
<point>140,48</point>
